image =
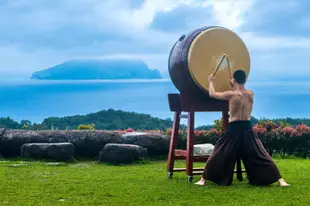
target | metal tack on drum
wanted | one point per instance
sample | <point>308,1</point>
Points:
<point>196,55</point>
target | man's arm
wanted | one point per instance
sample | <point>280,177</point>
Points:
<point>218,95</point>
<point>232,85</point>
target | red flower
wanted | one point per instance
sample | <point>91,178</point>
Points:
<point>130,130</point>
<point>303,129</point>
<point>259,129</point>
<point>214,132</point>
<point>290,131</point>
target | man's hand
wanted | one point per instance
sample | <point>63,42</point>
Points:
<point>211,78</point>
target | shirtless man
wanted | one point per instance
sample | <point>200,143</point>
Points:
<point>239,141</point>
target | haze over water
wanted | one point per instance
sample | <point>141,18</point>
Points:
<point>38,99</point>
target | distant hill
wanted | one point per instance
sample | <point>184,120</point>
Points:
<point>106,119</point>
<point>98,69</point>
<point>110,120</point>
<point>115,119</point>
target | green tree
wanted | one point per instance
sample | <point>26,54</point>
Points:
<point>26,124</point>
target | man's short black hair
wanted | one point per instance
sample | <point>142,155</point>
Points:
<point>240,76</point>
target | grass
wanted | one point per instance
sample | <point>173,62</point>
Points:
<point>92,183</point>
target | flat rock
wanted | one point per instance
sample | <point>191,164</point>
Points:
<point>203,149</point>
<point>122,153</point>
<point>155,143</point>
<point>12,140</point>
<point>87,143</point>
<point>53,151</point>
<point>55,164</point>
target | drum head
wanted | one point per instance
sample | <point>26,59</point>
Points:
<point>206,51</point>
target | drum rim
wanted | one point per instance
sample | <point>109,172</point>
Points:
<point>169,58</point>
<point>191,35</point>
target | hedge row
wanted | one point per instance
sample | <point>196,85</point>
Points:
<point>278,138</point>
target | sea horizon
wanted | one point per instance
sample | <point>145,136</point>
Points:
<point>36,100</point>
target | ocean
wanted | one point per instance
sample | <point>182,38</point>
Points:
<point>38,99</point>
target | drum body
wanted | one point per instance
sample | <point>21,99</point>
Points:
<point>195,56</point>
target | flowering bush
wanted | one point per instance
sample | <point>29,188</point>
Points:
<point>260,129</point>
<point>302,129</point>
<point>279,138</point>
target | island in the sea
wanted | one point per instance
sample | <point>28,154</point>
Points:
<point>98,69</point>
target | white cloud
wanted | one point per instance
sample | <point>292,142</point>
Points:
<point>17,62</point>
<point>230,13</point>
<point>137,18</point>
<point>144,16</point>
<point>94,19</point>
<point>154,61</point>
<point>255,42</point>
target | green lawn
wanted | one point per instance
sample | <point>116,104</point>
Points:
<point>92,183</point>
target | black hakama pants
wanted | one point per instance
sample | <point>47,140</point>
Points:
<point>240,142</point>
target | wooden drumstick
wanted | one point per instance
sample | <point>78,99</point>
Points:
<point>218,66</point>
<point>229,68</point>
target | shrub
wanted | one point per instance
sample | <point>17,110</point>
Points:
<point>218,125</point>
<point>86,127</point>
<point>278,138</point>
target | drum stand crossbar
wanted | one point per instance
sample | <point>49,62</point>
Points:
<point>179,103</point>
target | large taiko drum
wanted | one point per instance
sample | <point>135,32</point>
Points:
<point>196,55</point>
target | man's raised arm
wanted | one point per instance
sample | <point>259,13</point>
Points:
<point>218,95</point>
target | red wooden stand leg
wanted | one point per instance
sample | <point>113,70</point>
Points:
<point>190,145</point>
<point>173,143</point>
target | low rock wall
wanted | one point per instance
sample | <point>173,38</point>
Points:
<point>87,143</point>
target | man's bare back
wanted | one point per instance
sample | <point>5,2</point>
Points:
<point>240,105</point>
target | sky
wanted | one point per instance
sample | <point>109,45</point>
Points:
<point>37,34</point>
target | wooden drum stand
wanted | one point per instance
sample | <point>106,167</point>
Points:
<point>179,103</point>
<point>191,61</point>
